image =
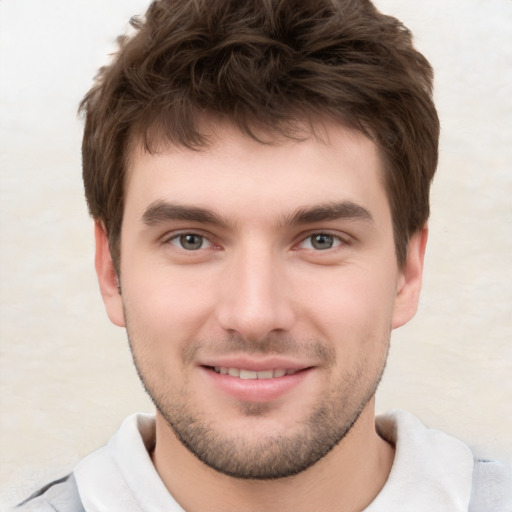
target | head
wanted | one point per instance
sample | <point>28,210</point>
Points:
<point>268,68</point>
<point>259,174</point>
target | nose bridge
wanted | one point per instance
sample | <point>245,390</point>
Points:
<point>254,302</point>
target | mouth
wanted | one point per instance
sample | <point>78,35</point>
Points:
<point>256,380</point>
<point>246,374</point>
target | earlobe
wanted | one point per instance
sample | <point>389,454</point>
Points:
<point>409,283</point>
<point>107,277</point>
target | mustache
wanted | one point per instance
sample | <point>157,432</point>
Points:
<point>276,344</point>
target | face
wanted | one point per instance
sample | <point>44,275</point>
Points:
<point>259,288</point>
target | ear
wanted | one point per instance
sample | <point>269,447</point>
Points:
<point>107,277</point>
<point>409,282</point>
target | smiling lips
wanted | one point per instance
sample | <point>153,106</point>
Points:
<point>251,374</point>
<point>260,383</point>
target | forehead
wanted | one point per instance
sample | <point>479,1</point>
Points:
<point>234,171</point>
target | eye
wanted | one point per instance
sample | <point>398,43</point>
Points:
<point>190,242</point>
<point>321,242</point>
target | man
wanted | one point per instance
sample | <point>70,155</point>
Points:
<point>259,174</point>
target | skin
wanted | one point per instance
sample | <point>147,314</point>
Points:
<point>255,290</point>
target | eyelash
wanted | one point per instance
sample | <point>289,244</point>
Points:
<point>337,240</point>
<point>177,239</point>
<point>179,236</point>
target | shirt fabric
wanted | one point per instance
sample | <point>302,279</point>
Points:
<point>431,472</point>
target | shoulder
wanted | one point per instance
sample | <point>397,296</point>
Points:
<point>491,487</point>
<point>58,496</point>
<point>437,468</point>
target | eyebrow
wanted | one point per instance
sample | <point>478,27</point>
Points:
<point>330,211</point>
<point>163,211</point>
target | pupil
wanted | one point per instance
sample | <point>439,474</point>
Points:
<point>322,241</point>
<point>191,241</point>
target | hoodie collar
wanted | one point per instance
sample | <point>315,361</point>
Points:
<point>431,470</point>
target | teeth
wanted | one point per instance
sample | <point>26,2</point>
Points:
<point>250,374</point>
<point>266,374</point>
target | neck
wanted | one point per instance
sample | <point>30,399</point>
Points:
<point>351,476</point>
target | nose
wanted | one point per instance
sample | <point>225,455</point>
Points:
<point>255,299</point>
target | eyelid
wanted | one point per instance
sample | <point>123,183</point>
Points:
<point>342,238</point>
<point>173,235</point>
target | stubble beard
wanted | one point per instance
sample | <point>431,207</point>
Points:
<point>273,456</point>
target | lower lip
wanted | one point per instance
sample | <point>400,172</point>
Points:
<point>255,390</point>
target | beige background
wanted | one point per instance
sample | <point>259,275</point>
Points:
<point>66,376</point>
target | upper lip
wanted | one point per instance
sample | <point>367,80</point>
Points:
<point>255,364</point>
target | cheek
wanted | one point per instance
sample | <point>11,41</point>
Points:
<point>350,297</point>
<point>165,301</point>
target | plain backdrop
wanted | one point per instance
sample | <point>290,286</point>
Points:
<point>66,375</point>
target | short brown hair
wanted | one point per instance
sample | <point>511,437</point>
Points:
<point>263,64</point>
